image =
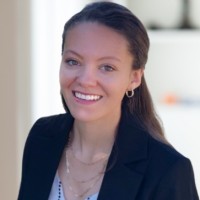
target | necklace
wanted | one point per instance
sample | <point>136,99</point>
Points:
<point>81,181</point>
<point>75,194</point>
<point>92,180</point>
<point>86,163</point>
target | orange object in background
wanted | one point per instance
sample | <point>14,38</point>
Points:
<point>170,99</point>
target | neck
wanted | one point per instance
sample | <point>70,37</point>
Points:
<point>93,139</point>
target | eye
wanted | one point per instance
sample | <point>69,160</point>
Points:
<point>107,68</point>
<point>72,62</point>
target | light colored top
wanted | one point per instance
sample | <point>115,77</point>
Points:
<point>57,191</point>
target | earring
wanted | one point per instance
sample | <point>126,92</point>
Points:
<point>130,93</point>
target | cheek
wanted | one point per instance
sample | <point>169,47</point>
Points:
<point>117,88</point>
<point>65,78</point>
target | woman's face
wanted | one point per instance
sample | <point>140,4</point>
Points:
<point>96,70</point>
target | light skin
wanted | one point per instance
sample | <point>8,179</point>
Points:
<point>96,71</point>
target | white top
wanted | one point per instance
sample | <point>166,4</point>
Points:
<point>57,191</point>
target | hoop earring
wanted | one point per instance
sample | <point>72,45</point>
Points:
<point>130,93</point>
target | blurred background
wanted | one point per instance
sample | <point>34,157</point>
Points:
<point>30,53</point>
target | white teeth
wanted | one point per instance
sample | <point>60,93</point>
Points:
<point>87,97</point>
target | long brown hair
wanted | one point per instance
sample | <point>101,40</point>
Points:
<point>122,20</point>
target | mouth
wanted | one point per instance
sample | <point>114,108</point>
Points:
<point>87,97</point>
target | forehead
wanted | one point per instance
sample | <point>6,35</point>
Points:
<point>92,35</point>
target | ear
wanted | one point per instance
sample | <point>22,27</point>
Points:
<point>136,78</point>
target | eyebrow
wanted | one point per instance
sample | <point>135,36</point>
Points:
<point>72,52</point>
<point>110,58</point>
<point>102,58</point>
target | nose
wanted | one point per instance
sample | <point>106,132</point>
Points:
<point>87,77</point>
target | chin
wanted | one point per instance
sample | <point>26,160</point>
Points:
<point>85,116</point>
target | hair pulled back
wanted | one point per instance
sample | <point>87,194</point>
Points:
<point>123,21</point>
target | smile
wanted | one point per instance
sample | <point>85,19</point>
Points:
<point>88,97</point>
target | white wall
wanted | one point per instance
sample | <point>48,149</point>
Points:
<point>174,65</point>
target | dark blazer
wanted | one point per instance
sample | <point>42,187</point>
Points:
<point>139,168</point>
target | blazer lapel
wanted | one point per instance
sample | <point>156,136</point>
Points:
<point>120,183</point>
<point>44,160</point>
<point>129,160</point>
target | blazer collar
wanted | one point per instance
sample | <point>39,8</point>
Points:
<point>132,140</point>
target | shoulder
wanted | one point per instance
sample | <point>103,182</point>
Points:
<point>47,130</point>
<point>136,143</point>
<point>166,163</point>
<point>165,154</point>
<point>172,172</point>
<point>46,126</point>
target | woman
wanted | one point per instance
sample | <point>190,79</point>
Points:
<point>109,145</point>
